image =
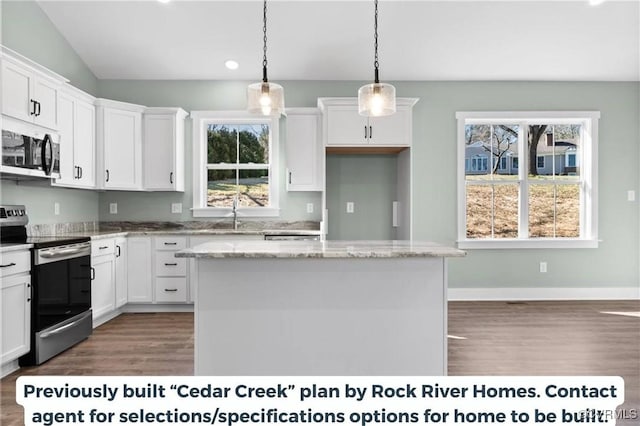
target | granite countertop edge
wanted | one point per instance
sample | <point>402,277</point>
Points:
<point>320,250</point>
<point>6,248</point>
<point>98,235</point>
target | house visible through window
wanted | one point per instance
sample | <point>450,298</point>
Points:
<point>550,201</point>
<point>235,155</point>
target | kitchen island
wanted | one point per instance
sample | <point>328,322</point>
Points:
<point>320,307</point>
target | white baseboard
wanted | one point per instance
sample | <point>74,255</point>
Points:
<point>545,293</point>
<point>156,307</point>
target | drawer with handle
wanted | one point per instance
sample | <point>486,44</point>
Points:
<point>15,262</point>
<point>103,246</point>
<point>171,289</point>
<point>171,243</point>
<point>168,265</point>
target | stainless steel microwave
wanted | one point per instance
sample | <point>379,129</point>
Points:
<point>30,148</point>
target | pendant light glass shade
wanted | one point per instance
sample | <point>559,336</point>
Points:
<point>265,98</point>
<point>376,99</point>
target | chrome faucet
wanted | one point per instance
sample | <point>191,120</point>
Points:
<point>235,212</point>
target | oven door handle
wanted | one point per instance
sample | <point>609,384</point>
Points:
<point>61,253</point>
<point>60,329</point>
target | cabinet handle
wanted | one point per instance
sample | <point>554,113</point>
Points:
<point>7,265</point>
<point>103,247</point>
<point>171,289</point>
<point>33,107</point>
<point>170,264</point>
<point>289,178</point>
<point>107,174</point>
<point>118,251</point>
<point>365,132</point>
<point>80,169</point>
<point>171,178</point>
<point>370,132</point>
<point>38,105</point>
<point>93,273</point>
<point>76,172</point>
<point>170,244</point>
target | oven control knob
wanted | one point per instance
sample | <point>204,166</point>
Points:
<point>9,212</point>
<point>21,212</point>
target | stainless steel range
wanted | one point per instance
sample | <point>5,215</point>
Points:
<point>61,286</point>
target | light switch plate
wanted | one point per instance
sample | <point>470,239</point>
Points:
<point>631,195</point>
<point>113,208</point>
<point>350,207</point>
<point>309,207</point>
<point>56,208</point>
<point>543,267</point>
<point>176,207</point>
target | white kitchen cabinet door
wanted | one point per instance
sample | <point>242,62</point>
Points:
<point>68,171</point>
<point>103,288</point>
<point>163,149</point>
<point>16,92</point>
<point>121,272</point>
<point>84,138</point>
<point>345,126</point>
<point>303,150</point>
<point>119,144</point>
<point>46,94</point>
<point>392,129</point>
<point>139,270</point>
<point>16,317</point>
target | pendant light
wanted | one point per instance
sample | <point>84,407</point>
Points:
<point>264,97</point>
<point>376,99</point>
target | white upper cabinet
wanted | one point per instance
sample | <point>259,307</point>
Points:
<point>76,116</point>
<point>163,149</point>
<point>119,137</point>
<point>343,126</point>
<point>304,150</point>
<point>29,91</point>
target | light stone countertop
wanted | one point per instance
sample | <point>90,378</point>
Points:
<point>7,247</point>
<point>104,234</point>
<point>319,249</point>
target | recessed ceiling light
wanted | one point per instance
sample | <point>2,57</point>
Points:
<point>231,64</point>
<point>164,1</point>
<point>596,2</point>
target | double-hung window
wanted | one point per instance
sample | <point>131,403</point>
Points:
<point>547,198</point>
<point>234,164</point>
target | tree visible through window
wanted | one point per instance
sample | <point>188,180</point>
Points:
<point>552,198</point>
<point>237,165</point>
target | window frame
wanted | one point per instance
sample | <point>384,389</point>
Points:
<point>588,178</point>
<point>200,121</point>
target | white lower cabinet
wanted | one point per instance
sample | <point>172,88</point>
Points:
<point>103,279</point>
<point>170,271</point>
<point>15,295</point>
<point>139,270</point>
<point>121,271</point>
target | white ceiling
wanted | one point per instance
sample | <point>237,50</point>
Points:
<point>333,40</point>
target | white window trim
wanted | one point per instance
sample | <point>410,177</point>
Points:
<point>199,170</point>
<point>589,161</point>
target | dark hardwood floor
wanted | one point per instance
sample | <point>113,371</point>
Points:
<point>488,338</point>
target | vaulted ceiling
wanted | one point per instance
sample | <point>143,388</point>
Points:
<point>333,40</point>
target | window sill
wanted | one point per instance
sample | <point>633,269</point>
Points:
<point>538,243</point>
<point>242,212</point>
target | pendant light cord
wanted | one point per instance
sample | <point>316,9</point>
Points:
<point>264,39</point>
<point>375,37</point>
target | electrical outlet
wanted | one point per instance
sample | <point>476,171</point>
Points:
<point>56,208</point>
<point>543,267</point>
<point>631,195</point>
<point>113,208</point>
<point>350,207</point>
<point>309,207</point>
<point>176,207</point>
